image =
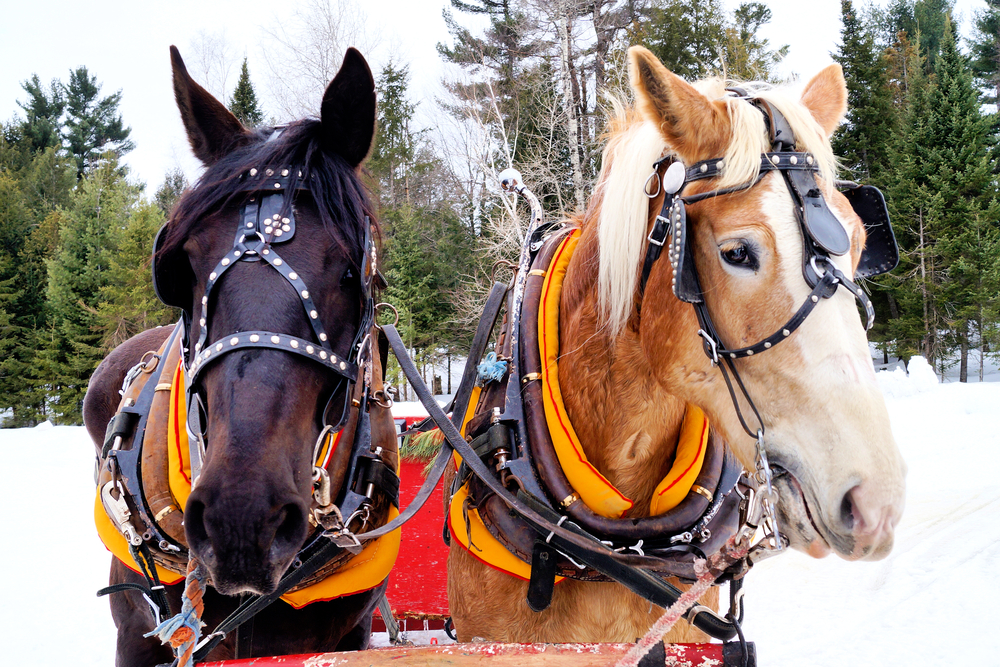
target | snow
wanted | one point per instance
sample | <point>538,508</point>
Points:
<point>928,603</point>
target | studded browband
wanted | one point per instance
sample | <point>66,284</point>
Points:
<point>671,223</point>
<point>267,219</point>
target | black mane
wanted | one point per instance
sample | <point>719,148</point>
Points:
<point>341,198</point>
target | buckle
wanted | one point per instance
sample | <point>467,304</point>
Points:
<point>651,238</point>
<point>710,345</point>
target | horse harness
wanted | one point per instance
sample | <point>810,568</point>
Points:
<point>266,220</point>
<point>509,458</point>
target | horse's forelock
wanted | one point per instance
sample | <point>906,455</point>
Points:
<point>632,148</point>
<point>341,197</point>
<point>634,144</point>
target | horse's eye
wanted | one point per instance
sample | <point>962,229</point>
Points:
<point>348,274</point>
<point>740,254</point>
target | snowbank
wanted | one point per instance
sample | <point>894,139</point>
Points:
<point>898,383</point>
<point>928,602</point>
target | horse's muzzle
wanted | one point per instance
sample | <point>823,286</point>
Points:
<point>246,543</point>
<point>861,527</point>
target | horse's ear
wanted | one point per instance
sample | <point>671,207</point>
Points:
<point>348,111</point>
<point>688,120</point>
<point>211,128</point>
<point>826,98</point>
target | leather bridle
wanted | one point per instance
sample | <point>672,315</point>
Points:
<point>266,220</point>
<point>823,235</point>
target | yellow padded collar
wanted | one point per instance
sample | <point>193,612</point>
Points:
<point>594,489</point>
<point>363,572</point>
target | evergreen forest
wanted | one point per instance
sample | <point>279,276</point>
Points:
<point>531,84</point>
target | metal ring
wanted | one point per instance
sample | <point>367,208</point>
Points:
<point>497,264</point>
<point>150,364</point>
<point>390,307</point>
<point>382,399</point>
<point>702,491</point>
<point>645,187</point>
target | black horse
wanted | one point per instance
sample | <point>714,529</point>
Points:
<point>248,515</point>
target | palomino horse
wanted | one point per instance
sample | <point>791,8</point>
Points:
<point>631,359</point>
<point>262,407</point>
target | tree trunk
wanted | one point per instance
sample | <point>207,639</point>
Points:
<point>982,345</point>
<point>572,123</point>
<point>963,367</point>
<point>923,290</point>
<point>449,371</point>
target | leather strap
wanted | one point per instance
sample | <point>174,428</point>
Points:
<point>560,534</point>
<point>542,583</point>
<point>494,302</point>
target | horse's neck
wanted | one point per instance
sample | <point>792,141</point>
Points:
<point>628,425</point>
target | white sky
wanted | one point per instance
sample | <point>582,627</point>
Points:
<point>125,44</point>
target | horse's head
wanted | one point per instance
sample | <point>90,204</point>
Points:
<point>824,417</point>
<point>238,259</point>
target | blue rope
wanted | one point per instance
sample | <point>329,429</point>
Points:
<point>491,370</point>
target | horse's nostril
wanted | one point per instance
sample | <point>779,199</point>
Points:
<point>291,526</point>
<point>847,512</point>
<point>194,521</point>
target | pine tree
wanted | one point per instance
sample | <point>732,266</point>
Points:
<point>985,47</point>
<point>244,104</point>
<point>43,110</point>
<point>128,305</point>
<point>78,270</point>
<point>924,22</point>
<point>862,143</point>
<point>395,146</point>
<point>943,201</point>
<point>93,125</point>
<point>173,186</point>
<point>686,35</point>
<point>965,181</point>
<point>12,332</point>
<point>746,55</point>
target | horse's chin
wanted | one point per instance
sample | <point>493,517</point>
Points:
<point>795,521</point>
<point>257,585</point>
<point>227,580</point>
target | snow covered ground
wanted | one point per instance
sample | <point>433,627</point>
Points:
<point>931,602</point>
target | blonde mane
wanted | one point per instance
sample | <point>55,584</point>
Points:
<point>634,144</point>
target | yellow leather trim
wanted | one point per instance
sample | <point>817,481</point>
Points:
<point>470,412</point>
<point>178,453</point>
<point>363,572</point>
<point>116,544</point>
<point>690,456</point>
<point>487,548</point>
<point>595,490</point>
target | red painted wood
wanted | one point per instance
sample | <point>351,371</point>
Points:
<point>488,654</point>
<point>418,585</point>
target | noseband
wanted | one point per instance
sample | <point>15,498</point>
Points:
<point>822,233</point>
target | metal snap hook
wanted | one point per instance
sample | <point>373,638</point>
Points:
<point>710,345</point>
<point>499,263</point>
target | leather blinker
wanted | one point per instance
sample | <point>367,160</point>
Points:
<point>881,253</point>
<point>685,282</point>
